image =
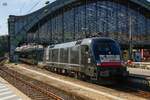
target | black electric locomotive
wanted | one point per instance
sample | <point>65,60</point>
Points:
<point>94,58</point>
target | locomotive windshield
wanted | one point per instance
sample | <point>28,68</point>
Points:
<point>105,47</point>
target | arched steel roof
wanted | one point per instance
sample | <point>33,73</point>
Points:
<point>40,14</point>
<point>61,3</point>
<point>52,7</point>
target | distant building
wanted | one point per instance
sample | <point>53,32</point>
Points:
<point>68,20</point>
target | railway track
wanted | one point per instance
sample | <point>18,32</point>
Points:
<point>33,89</point>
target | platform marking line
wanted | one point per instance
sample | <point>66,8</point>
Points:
<point>4,89</point>
<point>76,85</point>
<point>6,93</point>
<point>8,97</point>
<point>1,84</point>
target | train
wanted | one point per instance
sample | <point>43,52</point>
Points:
<point>90,58</point>
<point>30,54</point>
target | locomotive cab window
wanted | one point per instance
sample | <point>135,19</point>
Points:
<point>105,47</point>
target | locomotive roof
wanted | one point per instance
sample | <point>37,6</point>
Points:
<point>85,41</point>
<point>65,45</point>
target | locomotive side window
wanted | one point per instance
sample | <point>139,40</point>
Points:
<point>40,55</point>
<point>66,52</point>
<point>54,55</point>
<point>74,55</point>
<point>64,55</point>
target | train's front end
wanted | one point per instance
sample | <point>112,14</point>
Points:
<point>108,60</point>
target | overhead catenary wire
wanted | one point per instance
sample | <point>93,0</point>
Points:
<point>38,2</point>
<point>21,8</point>
<point>23,5</point>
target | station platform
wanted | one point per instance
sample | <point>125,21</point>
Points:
<point>9,92</point>
<point>140,78</point>
<point>140,65</point>
<point>139,72</point>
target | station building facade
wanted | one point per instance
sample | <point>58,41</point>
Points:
<point>69,20</point>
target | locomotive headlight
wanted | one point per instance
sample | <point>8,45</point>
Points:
<point>90,41</point>
<point>89,60</point>
<point>98,64</point>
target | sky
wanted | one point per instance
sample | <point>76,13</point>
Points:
<point>17,7</point>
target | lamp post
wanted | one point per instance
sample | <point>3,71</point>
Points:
<point>39,41</point>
